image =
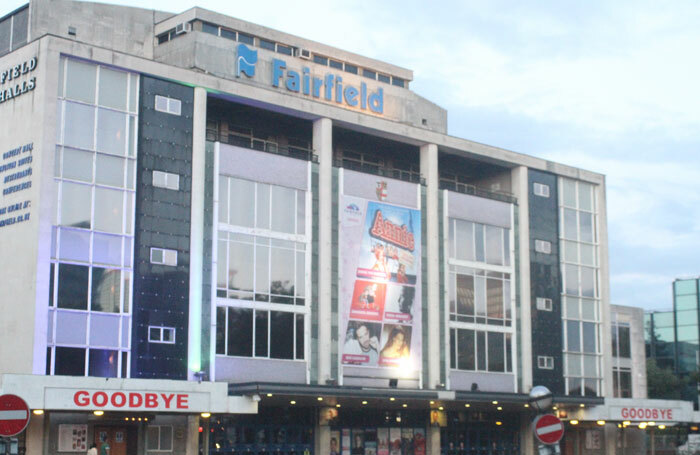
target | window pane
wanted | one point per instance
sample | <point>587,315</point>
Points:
<point>80,81</point>
<point>572,307</point>
<point>221,330</point>
<point>113,88</point>
<point>571,278</point>
<point>152,438</point>
<point>106,290</point>
<point>465,346</point>
<point>588,309</point>
<point>685,287</point>
<point>588,282</point>
<point>569,192</point>
<point>103,363</point>
<point>72,286</point>
<point>111,132</point>
<point>107,249</point>
<point>624,341</point>
<point>5,33</point>
<point>223,199</point>
<point>166,438</point>
<point>464,247</point>
<point>240,272</point>
<point>465,295</point>
<point>79,129</point>
<point>590,369</point>
<point>75,245</point>
<point>76,203</point>
<point>494,298</point>
<point>301,212</point>
<point>109,210</point>
<point>127,296</point>
<point>573,364</point>
<point>509,359</point>
<point>133,87</point>
<point>282,273</point>
<point>573,336</point>
<point>480,295</point>
<point>686,302</point>
<point>221,266</point>
<point>496,352</point>
<point>585,197</point>
<point>481,350</point>
<point>586,220</point>
<point>241,202</point>
<point>262,272</point>
<point>77,165</point>
<point>587,254</point>
<point>300,336</point>
<point>261,328</point>
<point>262,213</point>
<point>69,362</point>
<point>299,287</point>
<point>570,251</point>
<point>570,231</point>
<point>494,245</point>
<point>283,209</point>
<point>109,170</point>
<point>589,337</point>
<point>240,332</point>
<point>282,331</point>
<point>479,242</point>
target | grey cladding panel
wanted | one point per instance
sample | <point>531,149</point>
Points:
<point>263,167</point>
<point>478,209</point>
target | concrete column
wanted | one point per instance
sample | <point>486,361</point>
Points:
<point>521,190</point>
<point>429,171</point>
<point>192,442</point>
<point>194,347</point>
<point>323,146</point>
<point>322,440</point>
<point>604,285</point>
<point>35,435</point>
<point>527,439</point>
<point>433,440</point>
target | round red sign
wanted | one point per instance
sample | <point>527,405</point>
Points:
<point>548,429</point>
<point>14,415</point>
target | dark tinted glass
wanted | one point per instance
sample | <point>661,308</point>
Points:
<point>496,359</point>
<point>229,34</point>
<point>383,78</point>
<point>210,28</point>
<point>465,344</point>
<point>369,73</point>
<point>624,342</point>
<point>300,336</point>
<point>265,44</point>
<point>335,64</point>
<point>240,332</point>
<point>70,362</point>
<point>350,68</point>
<point>398,82</point>
<point>103,363</point>
<point>320,60</point>
<point>261,327</point>
<point>221,330</point>
<point>72,286</point>
<point>282,49</point>
<point>282,331</point>
<point>243,38</point>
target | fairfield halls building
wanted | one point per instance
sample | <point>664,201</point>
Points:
<point>219,237</point>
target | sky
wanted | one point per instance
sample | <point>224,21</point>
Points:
<point>612,87</point>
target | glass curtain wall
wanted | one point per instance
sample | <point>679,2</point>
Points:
<point>479,295</point>
<point>263,250</point>
<point>578,238</point>
<point>92,243</point>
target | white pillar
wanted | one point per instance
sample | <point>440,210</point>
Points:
<point>433,440</point>
<point>323,146</point>
<point>35,435</point>
<point>429,171</point>
<point>194,335</point>
<point>192,441</point>
<point>520,189</point>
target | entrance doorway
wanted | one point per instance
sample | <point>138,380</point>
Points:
<point>111,440</point>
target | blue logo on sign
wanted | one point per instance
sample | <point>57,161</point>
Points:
<point>247,58</point>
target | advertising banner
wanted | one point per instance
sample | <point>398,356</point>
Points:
<point>380,303</point>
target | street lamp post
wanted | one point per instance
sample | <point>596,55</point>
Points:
<point>540,400</point>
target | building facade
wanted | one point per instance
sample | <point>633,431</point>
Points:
<point>286,234</point>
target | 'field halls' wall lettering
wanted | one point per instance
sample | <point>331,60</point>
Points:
<point>15,177</point>
<point>12,82</point>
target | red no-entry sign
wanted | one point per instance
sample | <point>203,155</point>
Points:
<point>14,415</point>
<point>548,429</point>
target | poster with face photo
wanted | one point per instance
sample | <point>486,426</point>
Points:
<point>382,441</point>
<point>380,307</point>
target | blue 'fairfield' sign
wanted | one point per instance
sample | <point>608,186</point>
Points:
<point>330,87</point>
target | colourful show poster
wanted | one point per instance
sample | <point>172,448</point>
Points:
<point>380,246</point>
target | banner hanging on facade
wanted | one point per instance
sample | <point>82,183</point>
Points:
<point>380,285</point>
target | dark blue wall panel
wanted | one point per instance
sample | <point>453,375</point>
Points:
<point>161,293</point>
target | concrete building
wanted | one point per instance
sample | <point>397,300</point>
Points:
<point>285,233</point>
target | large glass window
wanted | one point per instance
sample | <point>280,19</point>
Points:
<point>479,296</point>
<point>262,257</point>
<point>92,247</point>
<point>580,289</point>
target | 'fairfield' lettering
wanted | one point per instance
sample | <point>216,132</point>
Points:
<point>332,85</point>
